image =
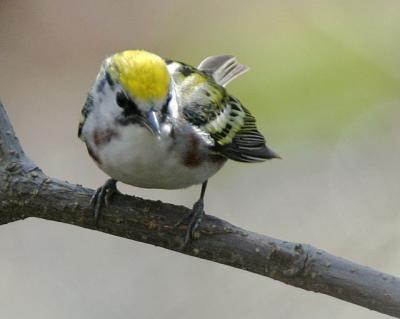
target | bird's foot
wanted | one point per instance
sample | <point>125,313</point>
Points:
<point>194,217</point>
<point>102,197</point>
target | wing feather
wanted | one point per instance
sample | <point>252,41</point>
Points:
<point>223,68</point>
<point>247,143</point>
<point>206,105</point>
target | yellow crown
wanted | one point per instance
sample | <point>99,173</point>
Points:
<point>142,74</point>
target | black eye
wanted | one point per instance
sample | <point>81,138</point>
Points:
<point>122,100</point>
<point>126,103</point>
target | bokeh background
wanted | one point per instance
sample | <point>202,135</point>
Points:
<point>325,88</point>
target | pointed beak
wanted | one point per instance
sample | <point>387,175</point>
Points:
<point>152,123</point>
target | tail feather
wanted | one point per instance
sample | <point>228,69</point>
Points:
<point>243,152</point>
<point>223,68</point>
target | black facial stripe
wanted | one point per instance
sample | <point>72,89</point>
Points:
<point>130,119</point>
<point>164,109</point>
<point>109,79</point>
<point>126,104</point>
<point>122,100</point>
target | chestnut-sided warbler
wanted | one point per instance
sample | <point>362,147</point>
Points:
<point>156,123</point>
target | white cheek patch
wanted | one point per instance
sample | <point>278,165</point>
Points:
<point>104,109</point>
<point>173,107</point>
<point>105,102</point>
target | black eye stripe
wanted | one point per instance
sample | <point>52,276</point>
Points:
<point>121,100</point>
<point>109,80</point>
<point>164,108</point>
<point>126,103</point>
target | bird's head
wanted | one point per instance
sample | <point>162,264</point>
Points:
<point>140,84</point>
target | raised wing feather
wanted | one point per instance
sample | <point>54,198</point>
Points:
<point>222,68</point>
<point>207,105</point>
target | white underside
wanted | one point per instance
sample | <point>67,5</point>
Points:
<point>141,159</point>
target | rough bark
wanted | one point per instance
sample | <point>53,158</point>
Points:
<point>25,191</point>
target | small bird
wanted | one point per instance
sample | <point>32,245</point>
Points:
<point>157,123</point>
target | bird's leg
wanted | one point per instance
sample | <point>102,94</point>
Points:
<point>103,196</point>
<point>195,216</point>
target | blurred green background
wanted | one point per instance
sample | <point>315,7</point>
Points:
<point>325,88</point>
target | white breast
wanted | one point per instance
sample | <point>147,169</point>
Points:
<point>137,157</point>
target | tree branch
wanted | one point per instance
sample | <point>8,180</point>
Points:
<point>25,191</point>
